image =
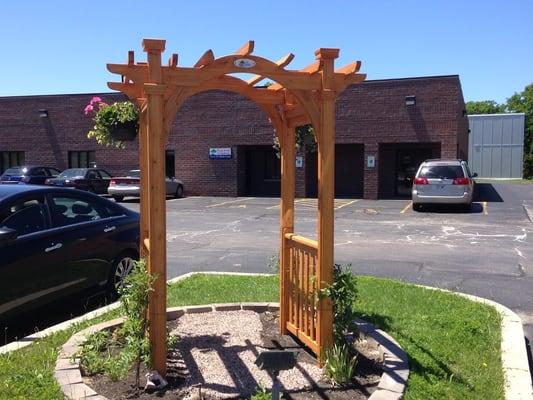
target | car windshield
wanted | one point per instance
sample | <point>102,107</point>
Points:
<point>72,173</point>
<point>134,173</point>
<point>16,171</point>
<point>441,172</point>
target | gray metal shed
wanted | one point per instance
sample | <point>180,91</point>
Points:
<point>496,145</point>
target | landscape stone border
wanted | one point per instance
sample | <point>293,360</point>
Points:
<point>517,379</point>
<point>391,385</point>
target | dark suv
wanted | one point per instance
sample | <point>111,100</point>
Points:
<point>28,174</point>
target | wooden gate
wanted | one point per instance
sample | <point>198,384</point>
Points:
<point>302,289</point>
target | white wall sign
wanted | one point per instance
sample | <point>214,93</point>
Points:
<point>220,153</point>
<point>299,161</point>
<point>371,161</point>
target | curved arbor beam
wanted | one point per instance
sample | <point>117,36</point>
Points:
<point>298,97</point>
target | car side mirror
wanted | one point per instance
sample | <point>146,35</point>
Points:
<point>474,175</point>
<point>7,235</point>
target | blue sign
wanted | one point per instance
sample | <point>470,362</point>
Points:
<point>220,153</point>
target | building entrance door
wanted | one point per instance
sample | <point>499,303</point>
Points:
<point>407,163</point>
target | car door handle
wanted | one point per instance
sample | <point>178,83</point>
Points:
<point>54,247</point>
<point>110,228</point>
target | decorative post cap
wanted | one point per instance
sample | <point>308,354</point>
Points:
<point>326,54</point>
<point>154,45</point>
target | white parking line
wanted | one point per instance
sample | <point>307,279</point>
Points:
<point>346,204</point>
<point>229,202</point>
<point>278,205</point>
<point>406,207</point>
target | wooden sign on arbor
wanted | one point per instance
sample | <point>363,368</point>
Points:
<point>298,97</point>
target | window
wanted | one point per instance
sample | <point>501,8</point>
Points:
<point>104,174</point>
<point>25,216</point>
<point>81,159</point>
<point>39,171</point>
<point>53,172</point>
<point>72,210</point>
<point>10,159</point>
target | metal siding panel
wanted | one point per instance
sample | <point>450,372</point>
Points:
<point>516,155</point>
<point>506,168</point>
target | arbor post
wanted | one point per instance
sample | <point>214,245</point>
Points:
<point>326,186</point>
<point>157,265</point>
<point>288,181</point>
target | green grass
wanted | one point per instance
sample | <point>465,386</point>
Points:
<point>514,181</point>
<point>453,344</point>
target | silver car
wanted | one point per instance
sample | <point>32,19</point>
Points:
<point>130,185</point>
<point>443,182</point>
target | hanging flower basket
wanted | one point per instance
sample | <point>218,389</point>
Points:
<point>114,123</point>
<point>125,131</point>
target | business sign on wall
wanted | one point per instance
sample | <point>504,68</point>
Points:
<point>220,153</point>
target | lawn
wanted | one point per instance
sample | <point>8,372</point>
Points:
<point>497,181</point>
<point>453,344</point>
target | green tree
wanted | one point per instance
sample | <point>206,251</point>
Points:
<point>523,102</point>
<point>484,107</point>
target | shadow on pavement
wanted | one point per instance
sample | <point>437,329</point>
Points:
<point>475,208</point>
<point>54,313</point>
<point>487,192</point>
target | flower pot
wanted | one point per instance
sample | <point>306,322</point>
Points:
<point>125,131</point>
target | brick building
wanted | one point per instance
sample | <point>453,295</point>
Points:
<point>385,128</point>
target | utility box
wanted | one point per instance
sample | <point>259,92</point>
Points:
<point>496,145</point>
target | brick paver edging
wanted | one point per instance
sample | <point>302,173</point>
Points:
<point>391,385</point>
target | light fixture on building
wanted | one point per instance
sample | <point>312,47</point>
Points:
<point>410,100</point>
<point>43,113</point>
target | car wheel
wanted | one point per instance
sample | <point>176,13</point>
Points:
<point>118,199</point>
<point>179,192</point>
<point>122,266</point>
<point>417,207</point>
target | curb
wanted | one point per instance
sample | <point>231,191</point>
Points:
<point>391,385</point>
<point>515,364</point>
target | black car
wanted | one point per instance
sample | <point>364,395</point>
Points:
<point>28,174</point>
<point>55,242</point>
<point>93,180</point>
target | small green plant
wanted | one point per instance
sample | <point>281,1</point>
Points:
<point>114,354</point>
<point>340,363</point>
<point>274,263</point>
<point>261,394</point>
<point>343,294</point>
<point>106,117</point>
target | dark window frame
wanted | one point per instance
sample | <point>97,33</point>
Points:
<point>7,157</point>
<point>81,158</point>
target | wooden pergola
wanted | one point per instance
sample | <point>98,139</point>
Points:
<point>298,97</point>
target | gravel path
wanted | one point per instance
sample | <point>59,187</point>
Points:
<point>220,348</point>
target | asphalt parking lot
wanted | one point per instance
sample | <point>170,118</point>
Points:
<point>486,252</point>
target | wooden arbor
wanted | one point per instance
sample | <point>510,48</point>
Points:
<point>297,98</point>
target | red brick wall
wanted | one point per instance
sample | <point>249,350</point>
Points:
<point>370,113</point>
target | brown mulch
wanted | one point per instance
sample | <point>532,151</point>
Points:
<point>215,356</point>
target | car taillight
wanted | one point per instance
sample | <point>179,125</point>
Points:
<point>421,181</point>
<point>113,182</point>
<point>461,181</point>
<point>47,181</point>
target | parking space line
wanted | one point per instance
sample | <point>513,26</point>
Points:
<point>228,202</point>
<point>345,204</point>
<point>278,205</point>
<point>485,208</point>
<point>406,207</point>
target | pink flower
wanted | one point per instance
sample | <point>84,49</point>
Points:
<point>95,100</point>
<point>88,109</point>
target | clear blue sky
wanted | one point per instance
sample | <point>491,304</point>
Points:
<point>62,46</point>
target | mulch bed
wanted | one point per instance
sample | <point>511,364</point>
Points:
<point>187,375</point>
